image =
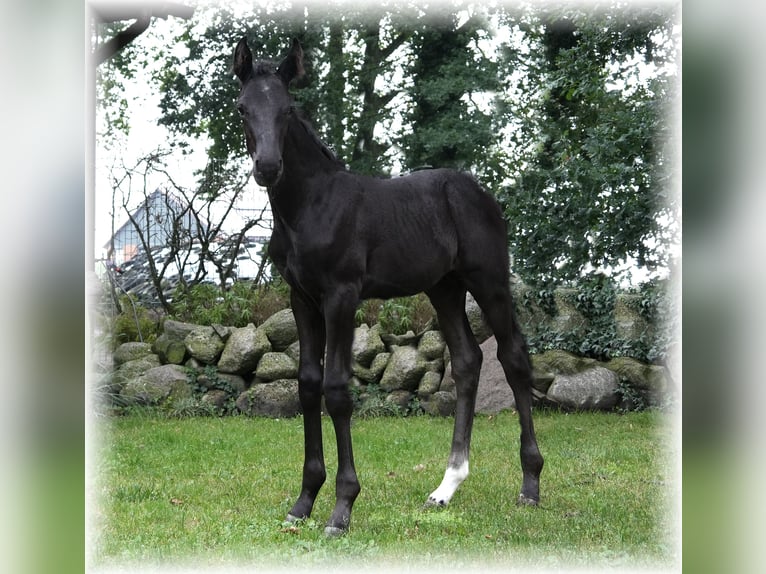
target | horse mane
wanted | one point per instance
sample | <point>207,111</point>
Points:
<point>316,140</point>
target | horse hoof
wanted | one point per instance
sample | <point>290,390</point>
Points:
<point>334,531</point>
<point>433,503</point>
<point>526,501</point>
<point>292,519</point>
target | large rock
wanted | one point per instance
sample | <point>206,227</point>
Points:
<point>568,319</point>
<point>204,344</point>
<point>494,393</point>
<point>243,350</point>
<point>448,381</point>
<point>481,330</point>
<point>367,345</point>
<point>281,329</point>
<point>542,381</point>
<point>277,399</point>
<point>216,398</point>
<point>273,366</point>
<point>132,370</point>
<point>404,370</point>
<point>592,389</point>
<point>400,398</point>
<point>628,320</point>
<point>158,385</point>
<point>432,345</point>
<point>409,339</point>
<point>177,330</point>
<point>429,384</point>
<point>560,362</point>
<point>169,350</point>
<point>371,375</point>
<point>170,344</point>
<point>650,380</point>
<point>131,351</point>
<point>234,385</point>
<point>441,404</point>
<point>294,351</point>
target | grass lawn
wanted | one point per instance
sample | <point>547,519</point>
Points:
<point>214,492</point>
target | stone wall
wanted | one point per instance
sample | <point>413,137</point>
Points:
<point>253,370</point>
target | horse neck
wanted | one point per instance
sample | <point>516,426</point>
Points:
<point>304,158</point>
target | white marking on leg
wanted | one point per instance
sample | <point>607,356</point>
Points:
<point>453,477</point>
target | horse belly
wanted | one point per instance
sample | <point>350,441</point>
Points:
<point>404,272</point>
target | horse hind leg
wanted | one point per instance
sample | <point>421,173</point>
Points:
<point>448,298</point>
<point>496,303</point>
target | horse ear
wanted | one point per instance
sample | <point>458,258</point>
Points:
<point>291,67</point>
<point>243,61</point>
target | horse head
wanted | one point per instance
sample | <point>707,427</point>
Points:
<point>265,105</point>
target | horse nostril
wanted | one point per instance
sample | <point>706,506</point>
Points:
<point>268,172</point>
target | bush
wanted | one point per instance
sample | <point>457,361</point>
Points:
<point>594,298</point>
<point>240,304</point>
<point>397,316</point>
<point>135,323</point>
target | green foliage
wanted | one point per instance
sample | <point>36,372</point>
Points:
<point>445,128</point>
<point>631,399</point>
<point>594,298</point>
<point>399,315</point>
<point>395,316</point>
<point>541,296</point>
<point>660,306</point>
<point>135,323</point>
<point>194,406</point>
<point>242,303</point>
<point>206,304</point>
<point>592,180</point>
<point>189,407</point>
<point>370,402</point>
<point>567,123</point>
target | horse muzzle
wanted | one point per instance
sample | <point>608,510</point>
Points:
<point>267,173</point>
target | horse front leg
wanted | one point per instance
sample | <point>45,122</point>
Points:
<point>339,320</point>
<point>311,333</point>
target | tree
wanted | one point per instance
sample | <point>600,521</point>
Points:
<point>445,127</point>
<point>191,230</point>
<point>564,120</point>
<point>380,43</point>
<point>340,98</point>
<point>593,182</point>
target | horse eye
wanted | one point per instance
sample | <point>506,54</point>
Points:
<point>241,109</point>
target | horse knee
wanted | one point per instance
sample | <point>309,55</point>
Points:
<point>310,386</point>
<point>337,396</point>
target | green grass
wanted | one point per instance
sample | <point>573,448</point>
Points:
<point>214,491</point>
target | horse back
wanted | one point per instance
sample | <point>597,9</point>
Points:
<point>397,236</point>
<point>424,225</point>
